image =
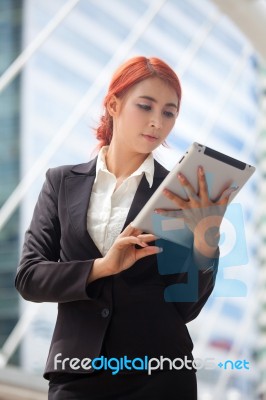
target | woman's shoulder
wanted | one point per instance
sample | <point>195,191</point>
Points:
<point>60,173</point>
<point>65,170</point>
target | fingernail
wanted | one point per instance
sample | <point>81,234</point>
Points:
<point>180,176</point>
<point>160,250</point>
<point>201,170</point>
<point>233,188</point>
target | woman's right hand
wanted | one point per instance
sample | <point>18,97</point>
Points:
<point>123,253</point>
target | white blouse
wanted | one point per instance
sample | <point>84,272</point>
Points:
<point>108,207</point>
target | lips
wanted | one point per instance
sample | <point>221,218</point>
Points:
<point>150,138</point>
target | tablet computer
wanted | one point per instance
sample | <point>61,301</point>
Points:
<point>221,171</point>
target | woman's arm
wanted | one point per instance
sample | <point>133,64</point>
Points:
<point>43,277</point>
<point>189,277</point>
<point>196,269</point>
<point>40,275</point>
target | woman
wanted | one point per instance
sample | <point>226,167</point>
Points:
<point>109,292</point>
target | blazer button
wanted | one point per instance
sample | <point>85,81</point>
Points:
<point>105,312</point>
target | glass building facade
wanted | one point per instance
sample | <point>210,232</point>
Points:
<point>67,78</point>
<point>10,47</point>
<point>261,223</point>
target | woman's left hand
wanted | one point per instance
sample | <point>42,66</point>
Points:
<point>202,215</point>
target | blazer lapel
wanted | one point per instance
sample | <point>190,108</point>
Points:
<point>144,192</point>
<point>78,192</point>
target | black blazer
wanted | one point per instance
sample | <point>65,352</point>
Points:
<point>130,313</point>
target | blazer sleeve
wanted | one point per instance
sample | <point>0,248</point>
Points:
<point>41,276</point>
<point>189,278</point>
<point>204,276</point>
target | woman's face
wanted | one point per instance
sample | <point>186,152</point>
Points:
<point>144,116</point>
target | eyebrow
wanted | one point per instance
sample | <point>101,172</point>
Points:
<point>155,101</point>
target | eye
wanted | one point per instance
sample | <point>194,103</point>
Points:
<point>144,106</point>
<point>169,114</point>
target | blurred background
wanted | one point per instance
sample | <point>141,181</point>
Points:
<point>56,59</point>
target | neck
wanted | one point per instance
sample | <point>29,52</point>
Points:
<point>122,162</point>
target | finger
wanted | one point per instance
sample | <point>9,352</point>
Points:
<point>148,237</point>
<point>225,196</point>
<point>147,251</point>
<point>203,186</point>
<point>181,203</point>
<point>131,231</point>
<point>128,241</point>
<point>188,188</point>
<point>169,213</point>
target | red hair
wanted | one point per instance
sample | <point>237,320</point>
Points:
<point>127,75</point>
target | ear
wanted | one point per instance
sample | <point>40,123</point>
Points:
<point>113,106</point>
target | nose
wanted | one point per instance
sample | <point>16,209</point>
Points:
<point>156,121</point>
